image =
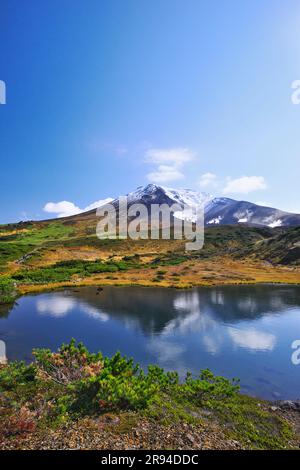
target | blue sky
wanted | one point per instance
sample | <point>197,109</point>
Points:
<point>107,95</point>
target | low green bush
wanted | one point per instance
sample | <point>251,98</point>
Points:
<point>16,373</point>
<point>90,383</point>
<point>8,291</point>
<point>209,386</point>
<point>64,270</point>
<point>73,383</point>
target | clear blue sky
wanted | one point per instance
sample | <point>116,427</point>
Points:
<point>107,95</point>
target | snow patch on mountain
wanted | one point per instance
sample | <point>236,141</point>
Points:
<point>188,214</point>
<point>243,216</point>
<point>216,220</point>
<point>276,223</point>
<point>188,197</point>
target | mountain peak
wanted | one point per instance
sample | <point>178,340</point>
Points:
<point>217,210</point>
<point>186,196</point>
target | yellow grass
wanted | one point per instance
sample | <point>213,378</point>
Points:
<point>216,271</point>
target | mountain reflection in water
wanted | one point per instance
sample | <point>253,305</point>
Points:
<point>237,331</point>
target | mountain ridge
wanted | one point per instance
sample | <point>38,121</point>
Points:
<point>217,210</point>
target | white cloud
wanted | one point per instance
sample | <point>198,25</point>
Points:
<point>166,351</point>
<point>94,313</point>
<point>175,156</point>
<point>252,339</point>
<point>97,204</point>
<point>62,208</point>
<point>245,184</point>
<point>169,161</point>
<point>208,180</point>
<point>60,305</point>
<point>212,343</point>
<point>57,306</point>
<point>67,208</point>
<point>165,173</point>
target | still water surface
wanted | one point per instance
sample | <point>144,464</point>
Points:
<point>240,331</point>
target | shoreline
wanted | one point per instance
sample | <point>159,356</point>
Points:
<point>36,289</point>
<point>186,275</point>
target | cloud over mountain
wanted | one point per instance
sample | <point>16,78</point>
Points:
<point>67,208</point>
<point>245,184</point>
<point>170,162</point>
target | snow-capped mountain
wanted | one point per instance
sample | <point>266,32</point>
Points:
<point>153,193</point>
<point>217,210</point>
<point>226,211</point>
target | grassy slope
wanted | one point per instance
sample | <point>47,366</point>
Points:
<point>283,249</point>
<point>54,253</point>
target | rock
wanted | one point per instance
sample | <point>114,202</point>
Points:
<point>236,443</point>
<point>205,412</point>
<point>199,414</point>
<point>191,438</point>
<point>289,405</point>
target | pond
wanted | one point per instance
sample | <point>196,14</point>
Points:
<point>236,331</point>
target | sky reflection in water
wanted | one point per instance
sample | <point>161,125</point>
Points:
<point>242,331</point>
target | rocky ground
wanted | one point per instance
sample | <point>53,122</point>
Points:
<point>129,431</point>
<point>105,434</point>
